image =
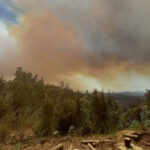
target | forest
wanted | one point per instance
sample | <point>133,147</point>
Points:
<point>29,102</point>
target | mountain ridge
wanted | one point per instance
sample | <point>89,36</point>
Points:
<point>129,98</point>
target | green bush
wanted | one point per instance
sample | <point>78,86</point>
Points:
<point>135,125</point>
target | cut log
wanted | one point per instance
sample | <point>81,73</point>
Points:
<point>90,141</point>
<point>58,147</point>
<point>132,136</point>
<point>91,147</point>
<point>145,133</point>
<point>127,142</point>
<point>147,144</point>
<point>136,133</point>
<point>106,141</point>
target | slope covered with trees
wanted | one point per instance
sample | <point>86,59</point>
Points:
<point>27,102</point>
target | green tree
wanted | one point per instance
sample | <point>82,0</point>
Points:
<point>99,111</point>
<point>148,97</point>
<point>65,115</point>
<point>47,118</point>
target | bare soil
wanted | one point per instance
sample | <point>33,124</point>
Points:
<point>110,142</point>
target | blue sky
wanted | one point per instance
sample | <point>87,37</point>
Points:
<point>6,13</point>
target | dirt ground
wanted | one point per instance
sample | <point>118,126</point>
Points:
<point>111,142</point>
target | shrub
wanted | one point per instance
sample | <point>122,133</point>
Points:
<point>135,125</point>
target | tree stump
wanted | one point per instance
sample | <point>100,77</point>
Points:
<point>127,142</point>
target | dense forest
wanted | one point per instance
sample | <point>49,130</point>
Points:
<point>26,101</point>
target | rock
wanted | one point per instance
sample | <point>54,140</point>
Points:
<point>71,128</point>
<point>56,133</point>
<point>26,134</point>
<point>12,135</point>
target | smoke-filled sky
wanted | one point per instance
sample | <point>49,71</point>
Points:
<point>103,44</point>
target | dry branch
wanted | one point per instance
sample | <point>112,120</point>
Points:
<point>70,147</point>
<point>91,147</point>
<point>58,147</point>
<point>90,141</point>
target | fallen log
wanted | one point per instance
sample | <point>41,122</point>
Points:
<point>90,141</point>
<point>147,144</point>
<point>58,147</point>
<point>144,133</point>
<point>132,136</point>
<point>136,133</point>
<point>91,147</point>
<point>106,141</point>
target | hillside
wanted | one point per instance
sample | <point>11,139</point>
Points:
<point>128,98</point>
<point>31,108</point>
<point>139,140</point>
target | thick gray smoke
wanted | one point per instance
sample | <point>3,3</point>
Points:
<point>100,39</point>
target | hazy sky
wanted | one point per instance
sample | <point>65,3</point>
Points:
<point>103,44</point>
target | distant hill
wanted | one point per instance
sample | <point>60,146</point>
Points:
<point>129,98</point>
